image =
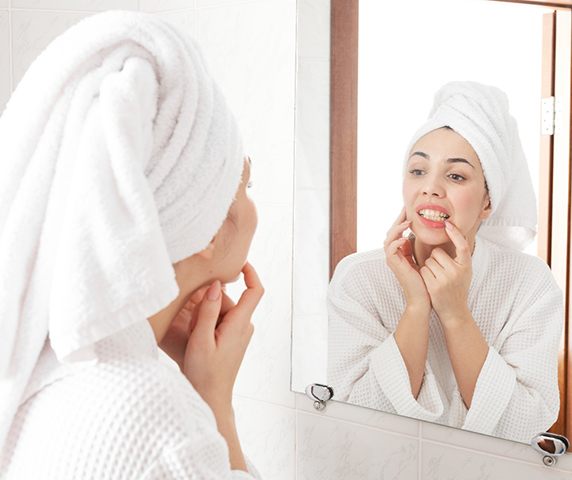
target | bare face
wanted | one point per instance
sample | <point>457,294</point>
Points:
<point>444,180</point>
<point>232,242</point>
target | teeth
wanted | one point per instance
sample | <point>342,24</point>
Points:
<point>433,215</point>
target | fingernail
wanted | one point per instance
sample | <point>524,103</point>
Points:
<point>214,291</point>
<point>447,224</point>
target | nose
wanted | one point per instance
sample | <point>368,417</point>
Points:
<point>433,187</point>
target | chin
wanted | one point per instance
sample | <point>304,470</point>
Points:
<point>433,237</point>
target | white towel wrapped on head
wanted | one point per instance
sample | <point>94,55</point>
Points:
<point>119,157</point>
<point>480,114</point>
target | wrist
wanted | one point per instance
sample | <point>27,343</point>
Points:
<point>418,309</point>
<point>455,317</point>
<point>222,409</point>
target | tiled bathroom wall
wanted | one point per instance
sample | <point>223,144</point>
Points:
<point>251,47</point>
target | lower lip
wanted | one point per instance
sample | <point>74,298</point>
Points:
<point>431,223</point>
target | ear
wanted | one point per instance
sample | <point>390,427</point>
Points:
<point>487,210</point>
<point>208,252</point>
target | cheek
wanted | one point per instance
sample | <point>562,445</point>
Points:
<point>409,195</point>
<point>467,207</point>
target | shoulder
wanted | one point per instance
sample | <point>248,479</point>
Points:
<point>364,267</point>
<point>365,278</point>
<point>120,413</point>
<point>518,263</point>
<point>141,394</point>
<point>360,262</point>
<point>527,275</point>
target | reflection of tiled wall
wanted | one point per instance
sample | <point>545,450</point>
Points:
<point>250,47</point>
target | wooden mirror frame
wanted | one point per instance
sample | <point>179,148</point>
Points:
<point>555,191</point>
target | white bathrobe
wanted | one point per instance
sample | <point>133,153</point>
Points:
<point>518,308</point>
<point>129,416</point>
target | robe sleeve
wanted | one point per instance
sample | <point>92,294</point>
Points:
<point>516,395</point>
<point>365,366</point>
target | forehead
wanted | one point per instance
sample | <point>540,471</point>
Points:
<point>442,143</point>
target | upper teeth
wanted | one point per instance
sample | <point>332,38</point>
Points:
<point>433,215</point>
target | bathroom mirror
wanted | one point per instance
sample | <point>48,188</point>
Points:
<point>355,119</point>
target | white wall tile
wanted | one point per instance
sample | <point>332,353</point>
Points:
<point>76,5</point>
<point>314,29</point>
<point>442,461</point>
<point>163,5</point>
<point>32,32</point>
<point>268,434</point>
<point>4,3</point>
<point>265,373</point>
<point>4,59</point>
<point>331,449</point>
<point>251,51</point>
<point>184,20</point>
<point>363,416</point>
<point>486,443</point>
<point>313,124</point>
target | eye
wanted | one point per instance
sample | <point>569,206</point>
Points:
<point>456,177</point>
<point>416,172</point>
<point>249,184</point>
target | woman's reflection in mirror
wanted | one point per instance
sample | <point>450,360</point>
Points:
<point>453,323</point>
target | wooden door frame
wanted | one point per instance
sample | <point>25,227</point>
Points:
<point>343,171</point>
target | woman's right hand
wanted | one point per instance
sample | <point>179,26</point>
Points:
<point>399,258</point>
<point>216,346</point>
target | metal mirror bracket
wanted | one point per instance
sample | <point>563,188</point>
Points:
<point>550,446</point>
<point>319,394</point>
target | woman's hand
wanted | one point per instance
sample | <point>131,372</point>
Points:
<point>215,349</point>
<point>448,280</point>
<point>174,342</point>
<point>399,258</point>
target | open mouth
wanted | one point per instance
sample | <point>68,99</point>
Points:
<point>433,215</point>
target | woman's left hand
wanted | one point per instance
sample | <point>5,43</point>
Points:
<point>447,279</point>
<point>174,343</point>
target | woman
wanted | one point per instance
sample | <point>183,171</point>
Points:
<point>123,207</point>
<point>453,323</point>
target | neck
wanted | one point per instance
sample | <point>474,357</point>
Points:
<point>161,321</point>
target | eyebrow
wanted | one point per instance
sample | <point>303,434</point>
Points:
<point>449,160</point>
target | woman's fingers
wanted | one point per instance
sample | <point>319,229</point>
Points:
<point>249,299</point>
<point>393,248</point>
<point>434,266</point>
<point>442,258</point>
<point>427,274</point>
<point>396,231</point>
<point>197,295</point>
<point>207,315</point>
<point>462,248</point>
<point>399,253</point>
<point>227,304</point>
